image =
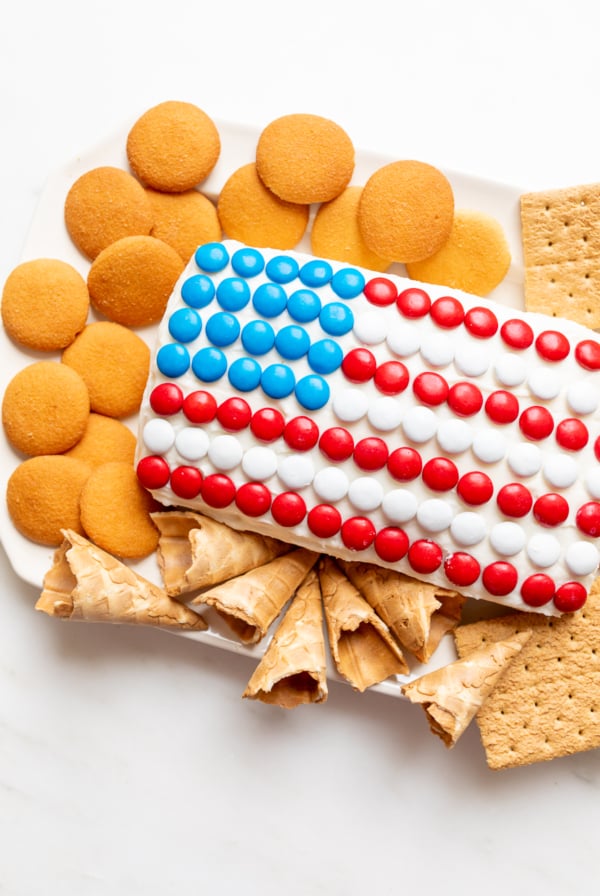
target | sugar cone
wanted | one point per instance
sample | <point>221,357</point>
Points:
<point>195,551</point>
<point>293,668</point>
<point>249,603</point>
<point>362,648</point>
<point>452,696</point>
<point>86,583</point>
<point>406,605</point>
<point>443,621</point>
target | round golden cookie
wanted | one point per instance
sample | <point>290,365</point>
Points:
<point>104,205</point>
<point>114,363</point>
<point>474,258</point>
<point>173,146</point>
<point>45,303</point>
<point>335,232</point>
<point>251,213</point>
<point>131,280</point>
<point>115,511</point>
<point>45,408</point>
<point>184,220</point>
<point>304,158</point>
<point>42,496</point>
<point>406,211</point>
<point>104,439</point>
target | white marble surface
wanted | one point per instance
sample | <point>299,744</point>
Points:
<point>129,762</point>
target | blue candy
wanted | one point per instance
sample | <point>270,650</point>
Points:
<point>233,294</point>
<point>282,269</point>
<point>325,356</point>
<point>222,328</point>
<point>209,364</point>
<point>304,305</point>
<point>312,392</point>
<point>197,291</point>
<point>258,337</point>
<point>347,283</point>
<point>292,342</point>
<point>269,299</point>
<point>336,319</point>
<point>316,272</point>
<point>212,257</point>
<point>278,381</point>
<point>247,262</point>
<point>185,325</point>
<point>244,374</point>
<point>173,360</point>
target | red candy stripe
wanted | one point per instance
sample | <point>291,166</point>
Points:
<point>336,443</point>
<point>475,488</point>
<point>234,414</point>
<point>380,291</point>
<point>430,388</point>
<point>500,578</point>
<point>153,472</point>
<point>481,322</point>
<point>570,597</point>
<point>588,518</point>
<point>536,423</point>
<point>516,333</point>
<point>413,302</point>
<point>324,520</point>
<point>166,399</point>
<point>391,377</point>
<point>391,544</point>
<point>253,498</point>
<point>186,482</point>
<point>572,434</point>
<point>358,533</point>
<point>551,509</point>
<point>404,464</point>
<point>371,453</point>
<point>200,407</point>
<point>461,569</point>
<point>552,345</point>
<point>502,407</point>
<point>425,556</point>
<point>537,590</point>
<point>465,399</point>
<point>217,490</point>
<point>514,499</point>
<point>301,433</point>
<point>440,474</point>
<point>288,509</point>
<point>447,312</point>
<point>267,424</point>
<point>587,353</point>
<point>359,365</point>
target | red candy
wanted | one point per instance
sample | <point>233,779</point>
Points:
<point>430,388</point>
<point>537,590</point>
<point>336,443</point>
<point>587,353</point>
<point>359,365</point>
<point>166,399</point>
<point>570,597</point>
<point>288,509</point>
<point>391,377</point>
<point>500,578</point>
<point>380,291</point>
<point>440,474</point>
<point>481,322</point>
<point>371,453</point>
<point>200,407</point>
<point>597,448</point>
<point>358,533</point>
<point>572,434</point>
<point>234,414</point>
<point>301,433</point>
<point>475,488</point>
<point>324,520</point>
<point>536,423</point>
<point>267,424</point>
<point>551,510</point>
<point>217,490</point>
<point>465,399</point>
<point>404,464</point>
<point>153,472</point>
<point>552,345</point>
<point>514,499</point>
<point>447,312</point>
<point>461,569</point>
<point>588,518</point>
<point>391,544</point>
<point>413,302</point>
<point>425,556</point>
<point>253,498</point>
<point>502,407</point>
<point>516,333</point>
<point>186,482</point>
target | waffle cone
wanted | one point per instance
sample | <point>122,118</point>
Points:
<point>195,551</point>
<point>86,583</point>
<point>406,605</point>
<point>452,696</point>
<point>250,602</point>
<point>362,648</point>
<point>293,668</point>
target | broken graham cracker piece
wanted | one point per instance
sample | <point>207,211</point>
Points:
<point>86,583</point>
<point>548,703</point>
<point>293,668</point>
<point>363,650</point>
<point>561,252</point>
<point>195,551</point>
<point>406,605</point>
<point>249,603</point>
<point>451,696</point>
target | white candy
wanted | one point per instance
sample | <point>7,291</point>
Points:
<point>543,383</point>
<point>331,484</point>
<point>259,463</point>
<point>350,405</point>
<point>582,397</point>
<point>365,493</point>
<point>543,550</point>
<point>489,446</point>
<point>370,327</point>
<point>454,436</point>
<point>468,528</point>
<point>592,482</point>
<point>419,424</point>
<point>225,452</point>
<point>582,558</point>
<point>192,442</point>
<point>472,360</point>
<point>525,459</point>
<point>399,505</point>
<point>560,470</point>
<point>507,538</point>
<point>510,370</point>
<point>385,413</point>
<point>404,340</point>
<point>435,515</point>
<point>296,471</point>
<point>158,435</point>
<point>437,349</point>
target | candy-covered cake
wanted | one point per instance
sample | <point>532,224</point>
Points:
<point>379,419</point>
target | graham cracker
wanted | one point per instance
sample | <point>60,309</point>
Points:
<point>547,703</point>
<point>561,252</point>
